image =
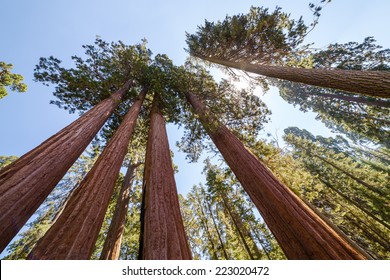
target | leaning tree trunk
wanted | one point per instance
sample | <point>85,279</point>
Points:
<point>26,183</point>
<point>112,244</point>
<point>162,231</point>
<point>301,233</point>
<point>74,234</point>
<point>371,83</point>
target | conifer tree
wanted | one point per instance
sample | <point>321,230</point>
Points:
<point>162,231</point>
<point>75,232</point>
<point>26,183</point>
<point>270,44</point>
<point>254,175</point>
<point>112,243</point>
<point>360,212</point>
<point>51,207</point>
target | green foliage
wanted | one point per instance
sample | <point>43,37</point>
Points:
<point>353,56</point>
<point>6,160</point>
<point>105,69</point>
<point>220,221</point>
<point>316,8</point>
<point>8,79</point>
<point>354,195</point>
<point>239,109</point>
<point>361,119</point>
<point>260,36</point>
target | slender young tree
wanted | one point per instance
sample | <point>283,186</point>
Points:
<point>113,241</point>
<point>162,231</point>
<point>217,230</point>
<point>200,231</point>
<point>288,217</point>
<point>26,183</point>
<point>74,233</point>
<point>270,44</point>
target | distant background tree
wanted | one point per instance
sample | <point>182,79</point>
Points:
<point>363,119</point>
<point>5,160</point>
<point>9,79</point>
<point>350,189</point>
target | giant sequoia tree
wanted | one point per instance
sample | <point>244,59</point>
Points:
<point>50,209</point>
<point>74,234</point>
<point>99,82</point>
<point>26,183</point>
<point>188,96</point>
<point>287,216</point>
<point>270,44</point>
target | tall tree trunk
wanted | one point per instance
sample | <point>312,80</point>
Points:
<point>370,83</point>
<point>112,244</point>
<point>74,234</point>
<point>301,233</point>
<point>26,183</point>
<point>163,235</point>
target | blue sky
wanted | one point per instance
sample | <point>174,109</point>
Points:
<point>32,29</point>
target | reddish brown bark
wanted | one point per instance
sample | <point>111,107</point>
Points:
<point>301,233</point>
<point>371,83</point>
<point>112,244</point>
<point>26,183</point>
<point>74,234</point>
<point>163,236</point>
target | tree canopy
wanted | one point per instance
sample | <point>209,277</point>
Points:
<point>11,80</point>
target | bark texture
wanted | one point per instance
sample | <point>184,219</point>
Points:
<point>371,83</point>
<point>112,244</point>
<point>301,233</point>
<point>26,183</point>
<point>74,234</point>
<point>163,236</point>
